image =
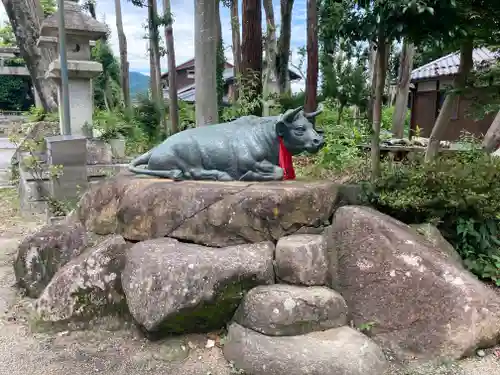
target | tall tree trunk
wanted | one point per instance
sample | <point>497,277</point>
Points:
<point>312,57</point>
<point>25,17</point>
<point>380,76</point>
<point>172,77</point>
<point>252,49</point>
<point>220,59</point>
<point>401,107</point>
<point>235,31</point>
<point>156,53</point>
<point>153,86</point>
<point>154,45</point>
<point>283,57</point>
<point>372,69</point>
<point>269,75</point>
<point>124,66</point>
<point>152,58</point>
<point>459,82</point>
<point>206,62</point>
<point>491,140</point>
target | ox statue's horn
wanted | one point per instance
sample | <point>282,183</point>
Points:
<point>289,116</point>
<point>315,113</point>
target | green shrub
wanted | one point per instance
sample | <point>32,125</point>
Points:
<point>341,155</point>
<point>36,114</point>
<point>459,193</point>
<point>113,124</point>
<point>386,123</point>
<point>187,116</point>
<point>147,116</point>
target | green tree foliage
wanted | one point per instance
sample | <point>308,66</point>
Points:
<point>107,89</point>
<point>345,80</point>
<point>432,50</point>
<point>48,6</point>
<point>484,89</point>
<point>331,15</point>
<point>7,37</point>
<point>15,91</point>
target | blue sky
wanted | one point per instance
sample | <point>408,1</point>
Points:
<point>183,11</point>
<point>134,21</point>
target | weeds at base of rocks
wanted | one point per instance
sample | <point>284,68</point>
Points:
<point>235,370</point>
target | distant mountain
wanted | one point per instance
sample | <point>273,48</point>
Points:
<point>139,83</point>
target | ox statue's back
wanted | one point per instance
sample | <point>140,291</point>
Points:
<point>248,149</point>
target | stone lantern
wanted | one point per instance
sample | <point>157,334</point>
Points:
<point>81,30</point>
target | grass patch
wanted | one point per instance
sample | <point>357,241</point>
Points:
<point>11,222</point>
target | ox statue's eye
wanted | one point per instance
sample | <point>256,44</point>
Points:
<point>300,128</point>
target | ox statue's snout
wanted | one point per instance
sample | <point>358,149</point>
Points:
<point>317,144</point>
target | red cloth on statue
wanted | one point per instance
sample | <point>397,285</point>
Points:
<point>286,162</point>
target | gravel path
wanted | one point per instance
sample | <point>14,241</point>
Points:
<point>109,349</point>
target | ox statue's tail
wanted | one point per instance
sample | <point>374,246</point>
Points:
<point>143,160</point>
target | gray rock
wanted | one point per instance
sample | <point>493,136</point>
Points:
<point>88,286</point>
<point>410,289</point>
<point>301,259</point>
<point>338,351</point>
<point>433,235</point>
<point>175,287</point>
<point>42,254</point>
<point>286,310</point>
<point>332,256</point>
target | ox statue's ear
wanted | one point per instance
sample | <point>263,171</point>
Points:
<point>281,128</point>
<point>290,115</point>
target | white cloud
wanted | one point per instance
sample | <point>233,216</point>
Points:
<point>134,20</point>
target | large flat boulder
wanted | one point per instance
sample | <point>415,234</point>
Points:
<point>208,213</point>
<point>175,287</point>
<point>287,310</point>
<point>41,254</point>
<point>88,286</point>
<point>339,351</point>
<point>422,302</point>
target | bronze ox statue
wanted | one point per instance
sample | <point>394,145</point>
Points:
<point>248,149</point>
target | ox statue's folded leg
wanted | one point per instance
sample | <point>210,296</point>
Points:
<point>204,174</point>
<point>263,171</point>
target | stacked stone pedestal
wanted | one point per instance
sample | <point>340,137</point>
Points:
<point>183,257</point>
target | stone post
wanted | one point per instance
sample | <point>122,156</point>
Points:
<point>69,154</point>
<point>81,29</point>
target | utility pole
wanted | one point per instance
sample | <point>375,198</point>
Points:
<point>64,71</point>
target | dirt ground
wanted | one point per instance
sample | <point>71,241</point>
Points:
<point>114,348</point>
